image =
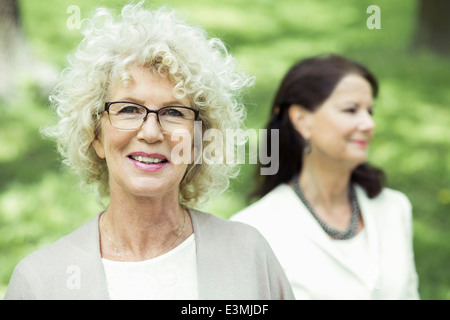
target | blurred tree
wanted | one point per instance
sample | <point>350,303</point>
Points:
<point>433,25</point>
<point>11,39</point>
<point>10,14</point>
<point>16,59</point>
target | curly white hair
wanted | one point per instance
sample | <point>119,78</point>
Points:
<point>199,67</point>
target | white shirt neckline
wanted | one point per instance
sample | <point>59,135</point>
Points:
<point>172,275</point>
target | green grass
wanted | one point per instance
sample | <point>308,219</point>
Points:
<point>40,201</point>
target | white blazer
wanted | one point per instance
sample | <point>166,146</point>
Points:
<point>313,263</point>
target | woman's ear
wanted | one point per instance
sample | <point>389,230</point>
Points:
<point>97,144</point>
<point>300,118</point>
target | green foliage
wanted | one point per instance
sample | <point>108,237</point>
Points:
<point>40,201</point>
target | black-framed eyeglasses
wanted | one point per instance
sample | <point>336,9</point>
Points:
<point>127,115</point>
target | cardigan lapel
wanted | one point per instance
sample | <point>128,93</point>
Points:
<point>214,269</point>
<point>88,261</point>
<point>211,271</point>
<point>204,274</point>
<point>94,285</point>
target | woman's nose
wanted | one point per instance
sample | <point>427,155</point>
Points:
<point>150,130</point>
<point>366,121</point>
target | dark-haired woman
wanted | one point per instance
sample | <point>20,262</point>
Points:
<point>337,231</point>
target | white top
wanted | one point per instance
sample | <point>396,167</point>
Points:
<point>172,275</point>
<point>377,264</point>
<point>356,252</point>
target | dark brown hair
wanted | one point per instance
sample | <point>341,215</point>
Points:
<point>309,83</point>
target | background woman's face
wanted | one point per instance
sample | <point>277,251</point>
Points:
<point>342,127</point>
<point>140,162</point>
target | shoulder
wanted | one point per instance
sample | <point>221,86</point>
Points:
<point>280,200</point>
<point>206,223</point>
<point>229,238</point>
<point>394,196</point>
<point>234,250</point>
<point>78,241</point>
<point>388,198</point>
<point>51,264</point>
<point>390,204</point>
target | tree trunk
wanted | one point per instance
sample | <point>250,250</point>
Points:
<point>433,26</point>
<point>11,39</point>
<point>9,15</point>
<point>17,62</point>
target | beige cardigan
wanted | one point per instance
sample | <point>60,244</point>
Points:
<point>233,262</point>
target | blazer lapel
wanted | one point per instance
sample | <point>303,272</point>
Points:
<point>368,208</point>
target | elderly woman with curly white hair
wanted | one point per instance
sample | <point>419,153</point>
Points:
<point>128,105</point>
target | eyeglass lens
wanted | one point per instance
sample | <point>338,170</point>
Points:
<point>130,116</point>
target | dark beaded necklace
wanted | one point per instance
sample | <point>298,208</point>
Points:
<point>352,229</point>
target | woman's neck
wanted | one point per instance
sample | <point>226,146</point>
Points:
<point>325,183</point>
<point>141,228</point>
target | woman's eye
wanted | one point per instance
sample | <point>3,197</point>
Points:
<point>350,110</point>
<point>129,109</point>
<point>173,112</point>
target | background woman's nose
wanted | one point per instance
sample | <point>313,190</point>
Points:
<point>366,121</point>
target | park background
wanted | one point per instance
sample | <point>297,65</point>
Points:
<point>40,201</point>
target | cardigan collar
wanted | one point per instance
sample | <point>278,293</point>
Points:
<point>97,287</point>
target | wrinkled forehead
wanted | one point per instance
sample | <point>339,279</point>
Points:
<point>145,86</point>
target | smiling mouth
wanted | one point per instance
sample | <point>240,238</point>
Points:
<point>361,142</point>
<point>147,160</point>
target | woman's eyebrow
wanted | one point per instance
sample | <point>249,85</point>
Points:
<point>130,99</point>
<point>165,104</point>
<point>174,103</point>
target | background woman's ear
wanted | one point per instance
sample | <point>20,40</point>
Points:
<point>300,118</point>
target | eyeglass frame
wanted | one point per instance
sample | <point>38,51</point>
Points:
<point>108,104</point>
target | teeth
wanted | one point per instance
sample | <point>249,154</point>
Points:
<point>147,160</point>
